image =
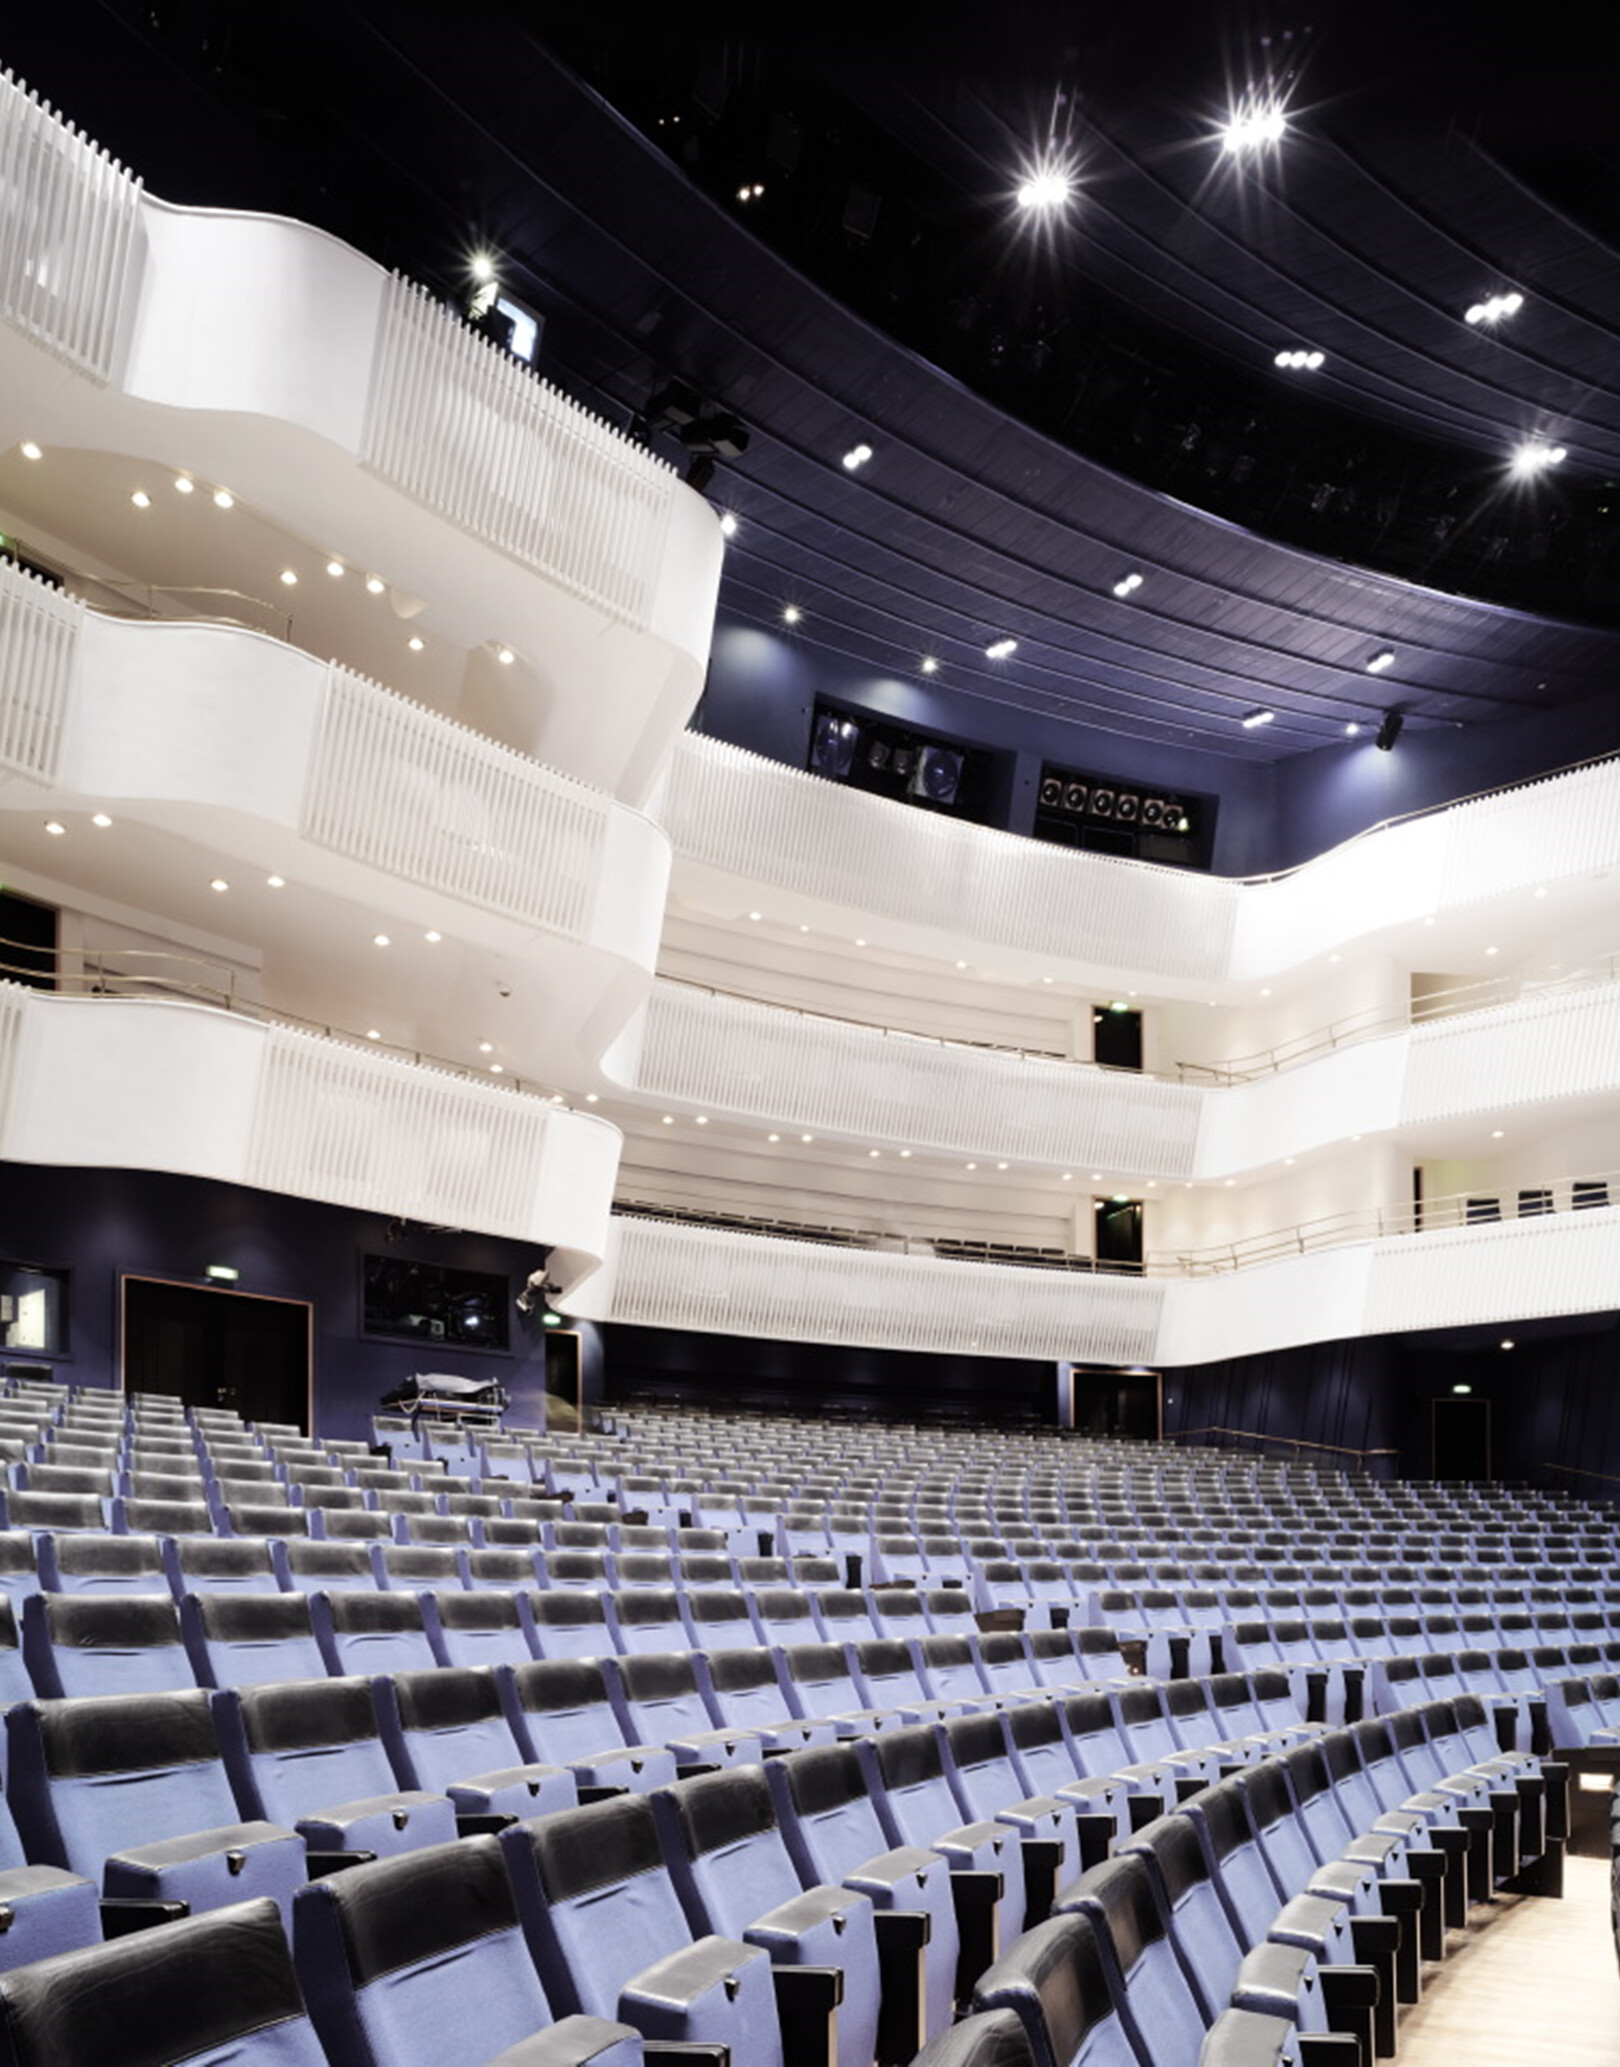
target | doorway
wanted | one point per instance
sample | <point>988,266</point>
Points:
<point>1460,1438</point>
<point>564,1406</point>
<point>1111,1402</point>
<point>216,1348</point>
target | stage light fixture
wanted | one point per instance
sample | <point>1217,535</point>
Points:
<point>1390,730</point>
<point>1253,720</point>
<point>1001,649</point>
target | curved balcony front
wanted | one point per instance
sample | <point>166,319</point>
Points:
<point>143,1084</point>
<point>257,753</point>
<point>360,415</point>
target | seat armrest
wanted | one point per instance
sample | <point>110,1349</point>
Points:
<point>588,1795</point>
<point>319,1864</point>
<point>483,1826</point>
<point>123,1914</point>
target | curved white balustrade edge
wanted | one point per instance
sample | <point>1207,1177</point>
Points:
<point>745,828</point>
<point>713,1280</point>
<point>263,354</point>
<point>152,1085</point>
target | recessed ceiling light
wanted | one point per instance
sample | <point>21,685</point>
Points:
<point>930,666</point>
<point>486,1047</point>
<point>1265,993</point>
<point>433,938</point>
<point>1001,649</point>
<point>289,580</point>
<point>1049,184</point>
<point>55,827</point>
<point>219,883</point>
<point>593,1097</point>
<point>1534,456</point>
<point>223,499</point>
<point>1096,1177</point>
<point>970,1166</point>
<point>756,916</point>
<point>1496,1133</point>
<point>792,614</point>
<point>905,1155</point>
<point>1068,1177</point>
<point>1352,729</point>
<point>373,1033</point>
<point>276,882</point>
<point>961,965</point>
<point>1493,308</point>
<point>379,940</point>
<point>807,1137</point>
<point>556,1098</point>
<point>414,643</point>
<point>1493,950</point>
<point>1252,719</point>
<point>1230,1182</point>
<point>375,585</point>
<point>1127,585</point>
<point>184,485</point>
<point>1001,1166</point>
<point>1381,661</point>
<point>32,451</point>
<point>874,1152</point>
<point>804,929</point>
<point>728,524</point>
<point>860,943</point>
<point>1507,1342</point>
<point>702,1120</point>
<point>1258,121</point>
<point>773,1137</point>
<point>1301,360</point>
<point>856,457</point>
<point>141,499</point>
<point>669,1119</point>
<point>482,267</point>
<point>1288,1162</point>
<point>497,1069</point>
<point>101,819</point>
<point>335,568</point>
<point>505,656</point>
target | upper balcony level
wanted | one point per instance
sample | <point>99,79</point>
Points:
<point>750,832</point>
<point>365,421</point>
<point>393,868</point>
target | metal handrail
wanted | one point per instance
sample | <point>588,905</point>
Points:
<point>1292,1442</point>
<point>98,977</point>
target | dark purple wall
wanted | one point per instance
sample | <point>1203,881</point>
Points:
<point>762,688</point>
<point>102,1224</point>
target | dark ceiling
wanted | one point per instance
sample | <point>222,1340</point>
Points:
<point>1047,411</point>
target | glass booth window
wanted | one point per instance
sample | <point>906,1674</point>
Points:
<point>33,1308</point>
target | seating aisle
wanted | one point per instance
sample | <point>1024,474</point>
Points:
<point>1479,2007</point>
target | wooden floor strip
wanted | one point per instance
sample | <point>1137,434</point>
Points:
<point>1531,1983</point>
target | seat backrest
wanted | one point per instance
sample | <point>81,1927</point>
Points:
<point>1187,1899</point>
<point>570,1624</point>
<point>220,1564</point>
<point>250,1639</point>
<point>372,1632</point>
<point>85,1643</point>
<point>1052,1981</point>
<point>648,1618</point>
<point>476,1628</point>
<point>596,1900</point>
<point>828,1819</point>
<point>90,1562</point>
<point>906,1771</point>
<point>97,1775</point>
<point>303,1747</point>
<point>725,1851</point>
<point>657,1696</point>
<point>212,1987</point>
<point>445,1726</point>
<point>559,1709</point>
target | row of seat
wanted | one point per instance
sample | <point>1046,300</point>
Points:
<point>739,1909</point>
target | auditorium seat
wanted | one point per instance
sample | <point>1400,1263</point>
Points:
<point>131,1791</point>
<point>570,1623</point>
<point>657,1699</point>
<point>313,1566</point>
<point>220,1564</point>
<point>418,1961</point>
<point>609,1936</point>
<point>250,1639</point>
<point>561,1715</point>
<point>1052,1982</point>
<point>448,1732</point>
<point>736,1878</point>
<point>120,1644</point>
<point>468,1628</point>
<point>310,1753</point>
<point>371,1633</point>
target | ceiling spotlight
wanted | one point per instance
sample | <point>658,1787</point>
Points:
<point>380,940</point>
<point>669,1119</point>
<point>32,451</point>
<point>482,267</point>
<point>219,883</point>
<point>1048,184</point>
<point>55,827</point>
<point>930,666</point>
<point>593,1097</point>
<point>375,585</point>
<point>505,655</point>
<point>1381,662</point>
<point>1507,1342</point>
<point>334,568</point>
<point>415,644</point>
<point>728,524</point>
<point>184,485</point>
<point>1300,360</point>
<point>1353,729</point>
<point>856,457</point>
<point>276,882</point>
<point>1252,720</point>
<point>486,1047</point>
<point>373,1033</point>
<point>1001,649</point>
<point>1127,585</point>
<point>102,820</point>
<point>433,938</point>
<point>288,578</point>
<point>792,614</point>
<point>905,1155</point>
<point>1533,456</point>
<point>223,499</point>
<point>1258,121</point>
<point>1494,308</point>
<point>1389,731</point>
<point>141,499</point>
<point>807,1137</point>
<point>874,1152</point>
